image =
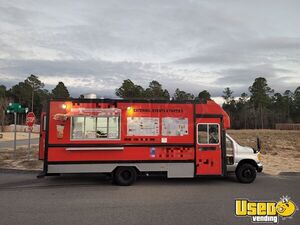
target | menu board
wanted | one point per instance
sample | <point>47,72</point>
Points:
<point>174,126</point>
<point>142,126</point>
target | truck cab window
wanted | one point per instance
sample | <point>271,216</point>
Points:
<point>208,133</point>
<point>229,147</point>
<point>229,151</point>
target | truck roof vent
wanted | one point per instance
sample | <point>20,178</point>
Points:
<point>90,96</point>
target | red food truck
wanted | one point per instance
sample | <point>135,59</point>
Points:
<point>126,138</point>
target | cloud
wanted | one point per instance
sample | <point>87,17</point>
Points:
<point>93,46</point>
<point>248,51</point>
<point>240,79</point>
<point>80,75</point>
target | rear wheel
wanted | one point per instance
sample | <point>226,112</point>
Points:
<point>125,176</point>
<point>245,173</point>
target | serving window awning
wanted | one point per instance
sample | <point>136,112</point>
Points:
<point>95,112</point>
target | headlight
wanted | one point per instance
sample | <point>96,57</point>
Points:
<point>259,156</point>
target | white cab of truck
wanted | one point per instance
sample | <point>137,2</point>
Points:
<point>244,161</point>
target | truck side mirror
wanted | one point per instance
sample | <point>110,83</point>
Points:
<point>258,144</point>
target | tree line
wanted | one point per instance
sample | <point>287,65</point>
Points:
<point>130,90</point>
<point>29,93</point>
<point>261,108</point>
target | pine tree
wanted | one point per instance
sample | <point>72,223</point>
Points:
<point>129,90</point>
<point>155,91</point>
<point>60,91</point>
<point>260,96</point>
<point>182,95</point>
<point>203,96</point>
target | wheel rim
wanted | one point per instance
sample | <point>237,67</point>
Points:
<point>247,173</point>
<point>126,175</point>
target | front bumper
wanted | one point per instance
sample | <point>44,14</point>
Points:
<point>259,167</point>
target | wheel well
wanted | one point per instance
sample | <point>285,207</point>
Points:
<point>134,167</point>
<point>249,161</point>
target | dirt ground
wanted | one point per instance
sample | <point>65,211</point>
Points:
<point>280,151</point>
<point>22,159</point>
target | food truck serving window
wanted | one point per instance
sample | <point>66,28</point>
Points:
<point>95,128</point>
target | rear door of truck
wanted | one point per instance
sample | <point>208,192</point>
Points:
<point>42,136</point>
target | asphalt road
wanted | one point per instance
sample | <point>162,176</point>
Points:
<point>92,199</point>
<point>10,144</point>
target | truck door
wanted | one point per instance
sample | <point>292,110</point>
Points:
<point>209,146</point>
<point>42,136</point>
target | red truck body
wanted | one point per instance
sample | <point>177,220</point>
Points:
<point>184,139</point>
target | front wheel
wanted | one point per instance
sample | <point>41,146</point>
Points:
<point>245,173</point>
<point>125,176</point>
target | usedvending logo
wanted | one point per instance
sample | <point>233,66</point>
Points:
<point>265,211</point>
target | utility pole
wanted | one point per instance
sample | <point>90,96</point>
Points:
<point>15,135</point>
<point>32,99</point>
<point>30,120</point>
<point>15,108</point>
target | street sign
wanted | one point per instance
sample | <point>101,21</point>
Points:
<point>30,119</point>
<point>16,108</point>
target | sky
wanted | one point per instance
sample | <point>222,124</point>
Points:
<point>92,46</point>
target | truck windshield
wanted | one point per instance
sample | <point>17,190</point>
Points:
<point>229,137</point>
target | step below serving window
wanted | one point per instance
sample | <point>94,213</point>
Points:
<point>95,128</point>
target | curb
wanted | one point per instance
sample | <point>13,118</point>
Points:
<point>265,174</point>
<point>289,174</point>
<point>5,170</point>
<point>280,174</point>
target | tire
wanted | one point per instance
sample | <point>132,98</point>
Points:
<point>246,173</point>
<point>125,176</point>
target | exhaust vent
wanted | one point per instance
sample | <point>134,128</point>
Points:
<point>90,96</point>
